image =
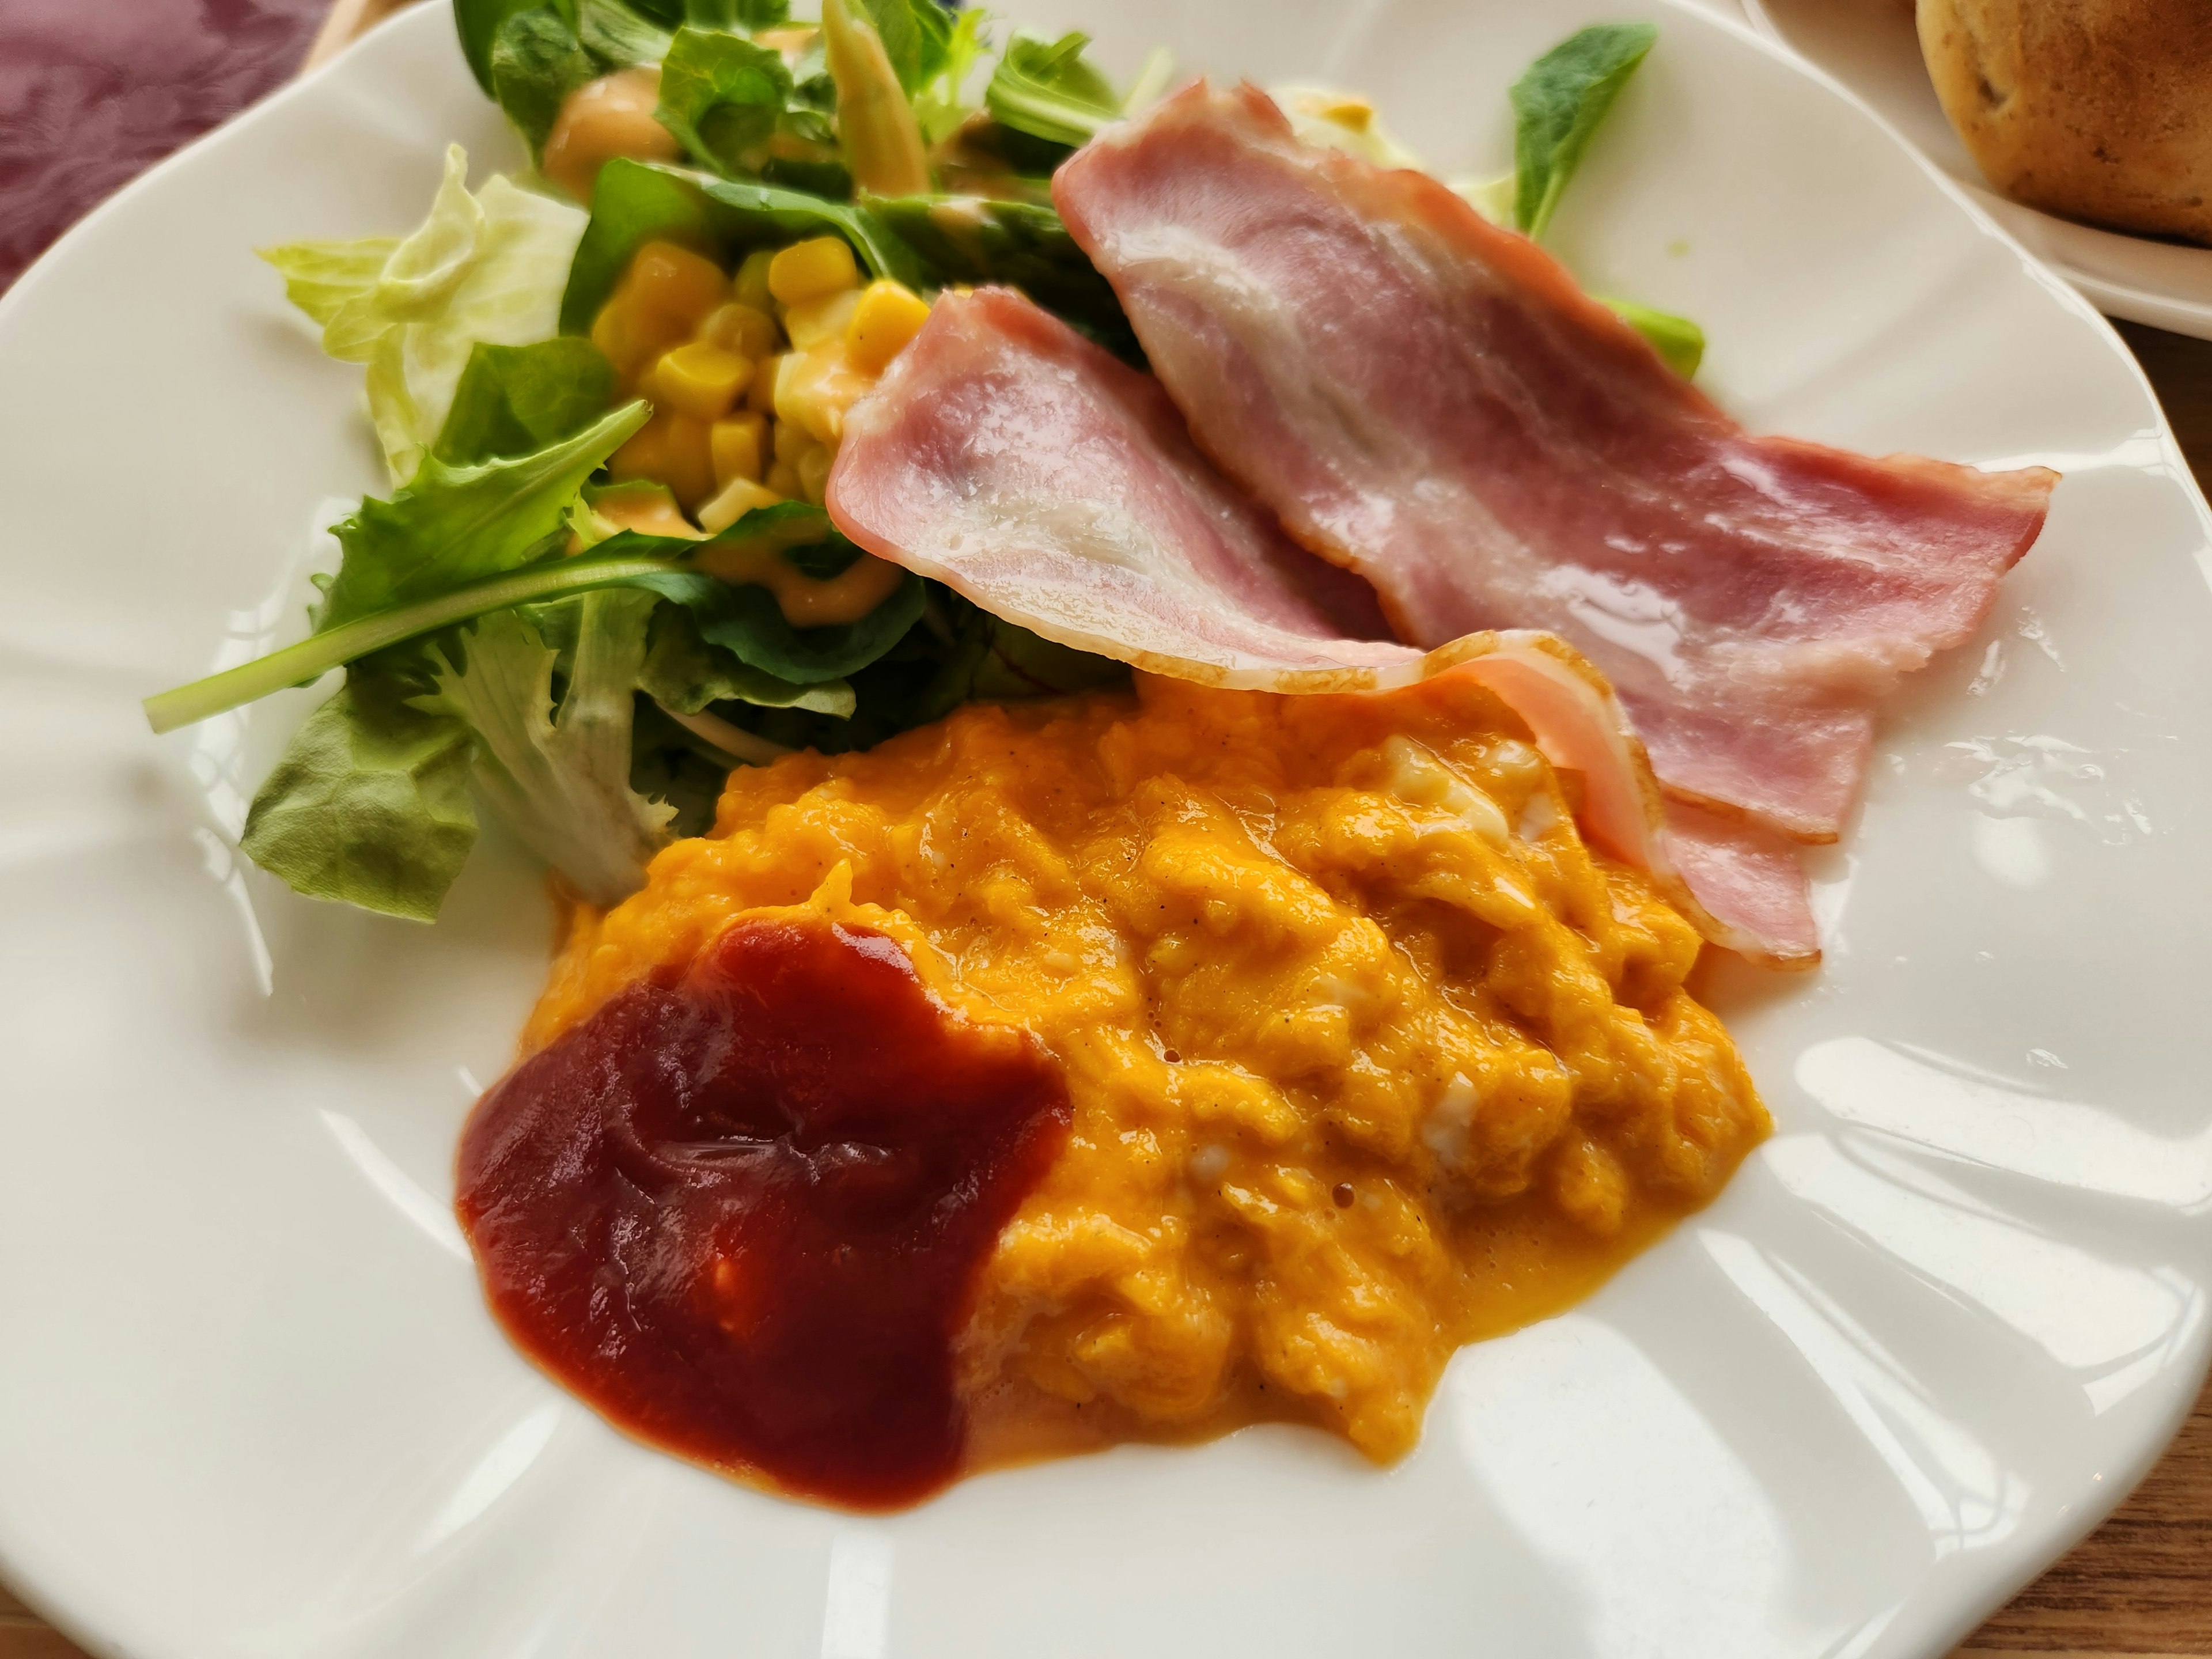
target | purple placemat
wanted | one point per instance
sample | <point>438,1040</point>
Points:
<point>94,91</point>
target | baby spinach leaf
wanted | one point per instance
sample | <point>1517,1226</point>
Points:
<point>1558,105</point>
<point>516,400</point>
<point>455,524</point>
<point>747,17</point>
<point>917,36</point>
<point>723,98</point>
<point>1022,244</point>
<point>684,672</point>
<point>638,202</point>
<point>536,60</point>
<point>1050,90</point>
<point>478,22</point>
<point>369,804</point>
<point>748,622</point>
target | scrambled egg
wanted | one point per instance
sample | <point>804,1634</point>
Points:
<point>1369,1055</point>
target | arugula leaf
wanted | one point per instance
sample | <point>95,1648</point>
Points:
<point>638,202</point>
<point>515,400</point>
<point>559,775</point>
<point>1050,90</point>
<point>369,804</point>
<point>684,673</point>
<point>455,524</point>
<point>723,98</point>
<point>1023,244</point>
<point>1679,342</point>
<point>1558,105</point>
<point>537,584</point>
<point>940,100</point>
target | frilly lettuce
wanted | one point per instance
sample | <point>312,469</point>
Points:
<point>559,773</point>
<point>484,268</point>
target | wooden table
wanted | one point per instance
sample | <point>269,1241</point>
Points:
<point>2141,1584</point>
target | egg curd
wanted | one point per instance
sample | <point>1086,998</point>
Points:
<point>1369,1055</point>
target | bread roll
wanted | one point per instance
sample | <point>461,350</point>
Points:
<point>2096,109</point>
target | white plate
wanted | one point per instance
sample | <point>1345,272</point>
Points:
<point>1871,47</point>
<point>251,1405</point>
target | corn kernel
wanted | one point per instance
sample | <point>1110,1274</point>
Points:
<point>784,481</point>
<point>739,328</point>
<point>737,497</point>
<point>629,336</point>
<point>646,508</point>
<point>676,283</point>
<point>750,285</point>
<point>794,441</point>
<point>813,390</point>
<point>760,396</point>
<point>699,380</point>
<point>671,447</point>
<point>818,322</point>
<point>813,470</point>
<point>738,444</point>
<point>889,315</point>
<point>807,271</point>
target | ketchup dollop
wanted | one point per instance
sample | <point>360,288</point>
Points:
<point>740,1212</point>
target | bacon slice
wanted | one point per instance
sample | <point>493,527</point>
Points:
<point>1431,401</point>
<point>1009,458</point>
<point>1013,461</point>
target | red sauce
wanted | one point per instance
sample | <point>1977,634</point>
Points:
<point>741,1213</point>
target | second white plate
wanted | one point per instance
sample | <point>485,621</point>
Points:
<point>1870,47</point>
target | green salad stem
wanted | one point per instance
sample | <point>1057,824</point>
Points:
<point>295,664</point>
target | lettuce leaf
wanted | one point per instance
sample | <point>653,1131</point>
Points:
<point>558,771</point>
<point>454,524</point>
<point>516,400</point>
<point>484,268</point>
<point>917,37</point>
<point>369,804</point>
<point>1558,105</point>
<point>638,202</point>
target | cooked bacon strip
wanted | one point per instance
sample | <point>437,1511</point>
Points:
<point>1432,401</point>
<point>1011,458</point>
<point>1013,461</point>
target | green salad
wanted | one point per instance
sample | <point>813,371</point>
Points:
<point>608,392</point>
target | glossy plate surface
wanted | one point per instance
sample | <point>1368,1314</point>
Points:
<point>250,1402</point>
<point>1870,46</point>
